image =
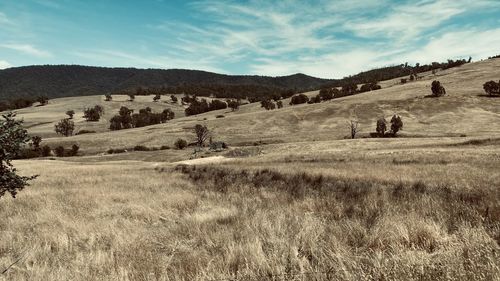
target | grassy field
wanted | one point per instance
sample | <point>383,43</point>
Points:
<point>305,204</point>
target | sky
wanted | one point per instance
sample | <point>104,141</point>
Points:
<point>328,39</point>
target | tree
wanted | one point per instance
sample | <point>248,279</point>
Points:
<point>299,99</point>
<point>36,140</point>
<point>403,80</point>
<point>492,88</point>
<point>70,113</point>
<point>353,126</point>
<point>267,104</point>
<point>381,126</point>
<point>156,98</point>
<point>326,94</point>
<point>173,98</point>
<point>233,104</point>
<point>46,151</point>
<point>13,137</point>
<point>202,134</point>
<point>65,127</point>
<point>108,97</point>
<point>279,104</point>
<point>43,100</point>
<point>396,124</point>
<point>59,151</point>
<point>131,97</point>
<point>180,144</point>
<point>74,150</point>
<point>437,89</point>
<point>93,113</point>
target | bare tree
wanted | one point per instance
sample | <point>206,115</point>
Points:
<point>202,134</point>
<point>353,125</point>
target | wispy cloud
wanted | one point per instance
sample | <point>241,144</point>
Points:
<point>4,20</point>
<point>27,49</point>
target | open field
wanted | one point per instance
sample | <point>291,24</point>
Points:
<point>291,199</point>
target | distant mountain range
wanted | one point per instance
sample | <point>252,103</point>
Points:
<point>74,80</point>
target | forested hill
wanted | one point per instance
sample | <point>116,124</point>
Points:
<point>74,80</point>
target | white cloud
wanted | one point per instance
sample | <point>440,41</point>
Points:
<point>4,64</point>
<point>27,49</point>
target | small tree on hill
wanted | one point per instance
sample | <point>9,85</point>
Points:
<point>108,97</point>
<point>173,98</point>
<point>43,100</point>
<point>74,150</point>
<point>59,151</point>
<point>202,134</point>
<point>396,124</point>
<point>326,94</point>
<point>131,97</point>
<point>381,126</point>
<point>93,114</point>
<point>156,98</point>
<point>36,140</point>
<point>65,127</point>
<point>437,89</point>
<point>299,99</point>
<point>353,126</point>
<point>70,113</point>
<point>492,88</point>
<point>13,137</point>
<point>180,144</point>
<point>233,104</point>
<point>46,150</point>
<point>279,104</point>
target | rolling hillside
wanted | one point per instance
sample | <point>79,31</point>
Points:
<point>73,80</point>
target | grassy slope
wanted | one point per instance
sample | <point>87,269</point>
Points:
<point>116,217</point>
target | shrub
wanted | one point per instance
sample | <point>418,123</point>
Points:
<point>216,105</point>
<point>131,97</point>
<point>36,140</point>
<point>65,127</point>
<point>299,99</point>
<point>74,150</point>
<point>46,151</point>
<point>82,132</point>
<point>279,104</point>
<point>108,97</point>
<point>180,144</point>
<point>233,104</point>
<point>164,147</point>
<point>141,148</point>
<point>116,150</point>
<point>156,98</point>
<point>326,94</point>
<point>492,88</point>
<point>315,99</point>
<point>369,87</point>
<point>349,89</point>
<point>437,89</point>
<point>219,116</point>
<point>381,126</point>
<point>267,104</point>
<point>202,134</point>
<point>59,151</point>
<point>173,98</point>
<point>396,124</point>
<point>93,114</point>
<point>70,113</point>
<point>43,100</point>
<point>403,80</point>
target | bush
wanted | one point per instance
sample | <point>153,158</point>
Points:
<point>108,97</point>
<point>65,127</point>
<point>403,80</point>
<point>36,140</point>
<point>82,132</point>
<point>43,100</point>
<point>267,104</point>
<point>70,113</point>
<point>74,150</point>
<point>279,104</point>
<point>131,97</point>
<point>164,147</point>
<point>141,148</point>
<point>326,94</point>
<point>381,127</point>
<point>437,89</point>
<point>219,116</point>
<point>156,98</point>
<point>492,88</point>
<point>315,99</point>
<point>299,99</point>
<point>396,124</point>
<point>116,150</point>
<point>93,114</point>
<point>46,151</point>
<point>173,98</point>
<point>180,144</point>
<point>59,151</point>
<point>216,105</point>
<point>233,104</point>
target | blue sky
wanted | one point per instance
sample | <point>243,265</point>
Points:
<point>329,39</point>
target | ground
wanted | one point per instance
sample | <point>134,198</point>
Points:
<point>291,199</point>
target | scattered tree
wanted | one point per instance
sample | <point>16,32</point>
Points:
<point>326,94</point>
<point>279,104</point>
<point>437,89</point>
<point>202,134</point>
<point>353,126</point>
<point>381,126</point>
<point>403,80</point>
<point>492,88</point>
<point>74,150</point>
<point>396,124</point>
<point>108,97</point>
<point>93,114</point>
<point>131,96</point>
<point>233,104</point>
<point>59,151</point>
<point>299,99</point>
<point>46,151</point>
<point>180,144</point>
<point>65,127</point>
<point>13,137</point>
<point>267,104</point>
<point>173,98</point>
<point>36,140</point>
<point>43,100</point>
<point>70,113</point>
<point>156,98</point>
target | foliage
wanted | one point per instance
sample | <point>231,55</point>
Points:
<point>43,100</point>
<point>267,104</point>
<point>59,151</point>
<point>233,104</point>
<point>13,137</point>
<point>173,98</point>
<point>93,114</point>
<point>396,124</point>
<point>108,97</point>
<point>381,126</point>
<point>202,134</point>
<point>65,127</point>
<point>36,140</point>
<point>437,89</point>
<point>180,144</point>
<point>279,104</point>
<point>156,98</point>
<point>131,96</point>
<point>70,113</point>
<point>299,99</point>
<point>46,151</point>
<point>492,88</point>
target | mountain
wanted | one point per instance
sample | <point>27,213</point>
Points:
<point>75,80</point>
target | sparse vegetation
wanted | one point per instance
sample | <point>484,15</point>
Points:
<point>180,144</point>
<point>65,127</point>
<point>12,139</point>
